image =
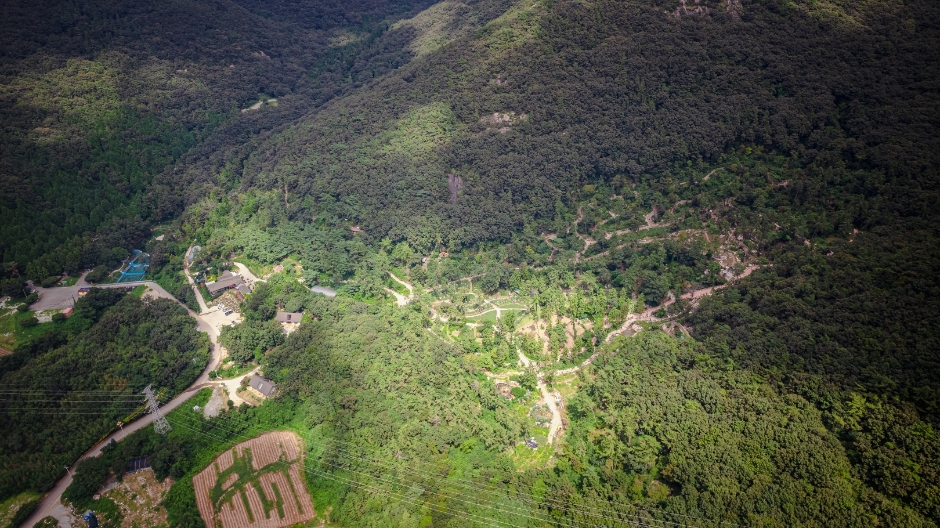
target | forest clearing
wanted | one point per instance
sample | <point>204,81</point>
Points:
<point>139,496</point>
<point>257,483</point>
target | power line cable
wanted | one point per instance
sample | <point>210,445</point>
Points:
<point>502,494</point>
<point>493,490</point>
<point>472,486</point>
<point>381,480</point>
<point>384,491</point>
<point>531,499</point>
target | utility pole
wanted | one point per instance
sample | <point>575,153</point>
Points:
<point>160,424</point>
<point>68,471</point>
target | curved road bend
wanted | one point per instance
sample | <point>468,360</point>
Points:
<point>50,501</point>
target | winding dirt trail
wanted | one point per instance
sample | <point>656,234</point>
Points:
<point>709,175</point>
<point>411,291</point>
<point>470,279</point>
<point>557,426</point>
<point>203,308</point>
<point>399,298</point>
<point>607,252</point>
<point>698,295</point>
<point>588,241</point>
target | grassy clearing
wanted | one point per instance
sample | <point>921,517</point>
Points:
<point>68,281</point>
<point>401,273</point>
<point>233,370</point>
<point>12,332</point>
<point>10,507</point>
<point>139,291</point>
<point>7,325</point>
<point>524,457</point>
<point>138,498</point>
<point>488,316</point>
<point>394,285</point>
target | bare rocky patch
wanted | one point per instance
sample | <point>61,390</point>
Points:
<point>139,496</point>
<point>502,122</point>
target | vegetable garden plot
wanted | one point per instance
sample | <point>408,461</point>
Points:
<point>256,484</point>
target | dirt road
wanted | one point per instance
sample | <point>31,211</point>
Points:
<point>556,425</point>
<point>411,291</point>
<point>401,299</point>
<point>249,276</point>
<point>192,284</point>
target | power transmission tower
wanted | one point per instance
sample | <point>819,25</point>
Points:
<point>160,424</point>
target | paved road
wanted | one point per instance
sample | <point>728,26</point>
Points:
<point>50,504</point>
<point>58,297</point>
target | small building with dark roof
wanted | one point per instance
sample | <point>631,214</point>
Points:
<point>289,317</point>
<point>225,281</point>
<point>261,386</point>
<point>137,464</point>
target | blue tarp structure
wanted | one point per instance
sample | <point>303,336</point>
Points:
<point>136,268</point>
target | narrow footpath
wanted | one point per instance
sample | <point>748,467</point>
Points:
<point>557,425</point>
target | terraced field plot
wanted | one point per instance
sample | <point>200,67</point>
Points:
<point>256,484</point>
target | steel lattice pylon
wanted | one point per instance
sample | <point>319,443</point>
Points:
<point>160,424</point>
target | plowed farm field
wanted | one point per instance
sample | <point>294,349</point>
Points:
<point>256,484</point>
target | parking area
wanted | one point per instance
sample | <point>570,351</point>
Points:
<point>58,297</point>
<point>217,318</point>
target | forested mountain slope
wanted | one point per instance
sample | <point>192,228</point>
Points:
<point>824,118</point>
<point>552,96</point>
<point>497,134</point>
<point>598,163</point>
<point>97,97</point>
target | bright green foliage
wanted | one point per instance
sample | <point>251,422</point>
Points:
<point>531,141</point>
<point>726,444</point>
<point>247,341</point>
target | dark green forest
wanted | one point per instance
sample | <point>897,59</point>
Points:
<point>65,391</point>
<point>593,160</point>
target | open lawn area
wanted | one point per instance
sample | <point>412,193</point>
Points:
<point>567,385</point>
<point>12,333</point>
